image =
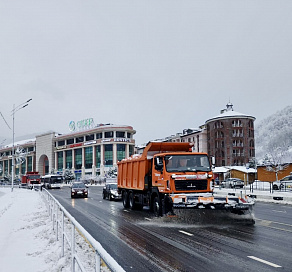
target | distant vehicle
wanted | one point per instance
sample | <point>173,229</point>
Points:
<point>30,179</point>
<point>284,183</point>
<point>110,191</point>
<point>233,183</point>
<point>79,189</point>
<point>52,181</point>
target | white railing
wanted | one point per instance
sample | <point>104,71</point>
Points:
<point>63,224</point>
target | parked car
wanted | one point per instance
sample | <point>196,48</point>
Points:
<point>110,191</point>
<point>284,183</point>
<point>232,183</point>
<point>79,189</point>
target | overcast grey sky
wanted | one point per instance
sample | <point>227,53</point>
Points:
<point>159,66</point>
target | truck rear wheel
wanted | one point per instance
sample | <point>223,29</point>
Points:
<point>157,209</point>
<point>125,200</point>
<point>132,203</point>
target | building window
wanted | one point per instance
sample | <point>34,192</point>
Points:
<point>131,150</point>
<point>129,135</point>
<point>88,157</point>
<point>61,143</point>
<point>236,123</point>
<point>22,169</point>
<point>60,161</point>
<point>97,156</point>
<point>29,163</point>
<point>99,135</point>
<point>80,139</point>
<point>120,134</point>
<point>109,134</point>
<point>30,149</point>
<point>89,137</point>
<point>121,151</point>
<point>68,158</point>
<point>6,166</point>
<point>78,158</point>
<point>108,155</point>
<point>70,141</point>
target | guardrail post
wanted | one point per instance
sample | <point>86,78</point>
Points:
<point>57,223</point>
<point>54,215</point>
<point>73,248</point>
<point>63,235</point>
<point>97,262</point>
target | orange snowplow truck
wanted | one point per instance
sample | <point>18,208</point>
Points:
<point>170,176</point>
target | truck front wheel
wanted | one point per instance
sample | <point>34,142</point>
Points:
<point>157,209</point>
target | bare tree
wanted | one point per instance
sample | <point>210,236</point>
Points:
<point>68,175</point>
<point>277,154</point>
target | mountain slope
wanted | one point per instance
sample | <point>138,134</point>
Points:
<point>275,133</point>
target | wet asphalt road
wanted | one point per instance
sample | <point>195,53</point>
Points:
<point>193,241</point>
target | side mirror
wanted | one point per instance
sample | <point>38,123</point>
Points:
<point>158,164</point>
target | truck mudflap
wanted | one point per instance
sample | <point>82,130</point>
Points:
<point>209,201</point>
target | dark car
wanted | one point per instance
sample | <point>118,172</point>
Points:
<point>79,189</point>
<point>233,183</point>
<point>110,191</point>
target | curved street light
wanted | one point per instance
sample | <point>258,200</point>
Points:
<point>15,109</point>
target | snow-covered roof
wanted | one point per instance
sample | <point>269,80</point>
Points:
<point>242,169</point>
<point>220,170</point>
<point>23,142</point>
<point>230,113</point>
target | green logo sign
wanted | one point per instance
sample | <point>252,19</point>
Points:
<point>81,125</point>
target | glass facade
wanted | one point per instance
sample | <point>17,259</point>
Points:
<point>68,158</point>
<point>78,158</point>
<point>88,157</point>
<point>6,166</point>
<point>29,164</point>
<point>23,168</point>
<point>60,161</point>
<point>108,155</point>
<point>131,150</point>
<point>97,156</point>
<point>121,151</point>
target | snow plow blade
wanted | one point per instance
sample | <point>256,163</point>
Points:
<point>208,201</point>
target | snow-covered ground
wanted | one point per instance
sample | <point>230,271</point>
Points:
<point>27,239</point>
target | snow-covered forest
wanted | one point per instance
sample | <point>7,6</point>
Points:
<point>274,135</point>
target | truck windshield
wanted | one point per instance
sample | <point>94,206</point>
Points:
<point>187,163</point>
<point>34,176</point>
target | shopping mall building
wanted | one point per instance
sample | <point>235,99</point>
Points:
<point>86,151</point>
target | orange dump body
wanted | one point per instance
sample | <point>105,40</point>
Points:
<point>138,172</point>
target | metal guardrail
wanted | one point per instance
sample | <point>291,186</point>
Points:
<point>59,215</point>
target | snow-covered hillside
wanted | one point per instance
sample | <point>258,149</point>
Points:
<point>274,132</point>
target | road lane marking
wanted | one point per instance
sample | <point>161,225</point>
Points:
<point>187,233</point>
<point>279,211</point>
<point>263,261</point>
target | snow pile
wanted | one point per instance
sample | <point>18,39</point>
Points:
<point>27,239</point>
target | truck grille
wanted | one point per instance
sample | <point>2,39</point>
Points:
<point>190,185</point>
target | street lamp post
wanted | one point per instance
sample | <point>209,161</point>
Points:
<point>15,109</point>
